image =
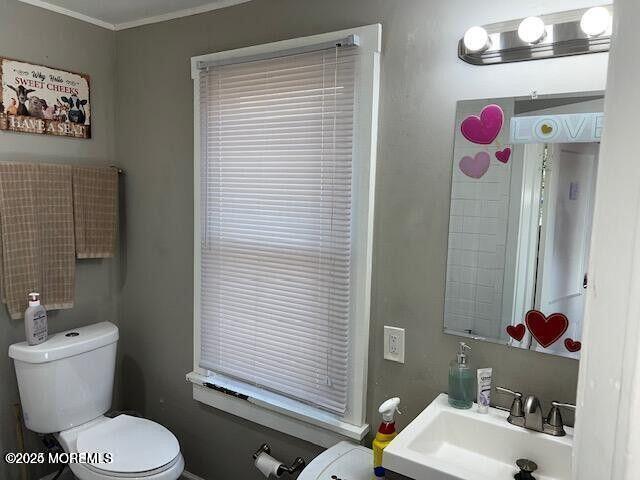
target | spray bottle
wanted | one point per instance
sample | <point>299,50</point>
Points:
<point>386,433</point>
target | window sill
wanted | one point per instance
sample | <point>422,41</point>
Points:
<point>274,411</point>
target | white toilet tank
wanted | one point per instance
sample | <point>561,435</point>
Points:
<point>67,380</point>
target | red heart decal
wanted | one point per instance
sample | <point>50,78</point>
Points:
<point>546,330</point>
<point>504,155</point>
<point>485,128</point>
<point>516,332</point>
<point>572,346</point>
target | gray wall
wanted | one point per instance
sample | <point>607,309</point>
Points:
<point>421,81</point>
<point>35,35</point>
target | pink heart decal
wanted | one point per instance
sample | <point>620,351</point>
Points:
<point>516,332</point>
<point>485,128</point>
<point>546,330</point>
<point>572,345</point>
<point>477,166</point>
<point>504,155</point>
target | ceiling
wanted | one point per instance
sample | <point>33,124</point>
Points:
<point>121,14</point>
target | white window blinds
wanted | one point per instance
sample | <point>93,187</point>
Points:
<point>276,164</point>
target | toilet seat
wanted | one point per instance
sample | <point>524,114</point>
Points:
<point>136,445</point>
<point>135,475</point>
<point>87,472</point>
<point>141,449</point>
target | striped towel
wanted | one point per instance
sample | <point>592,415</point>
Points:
<point>38,247</point>
<point>95,203</point>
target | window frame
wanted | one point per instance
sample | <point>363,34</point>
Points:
<point>268,408</point>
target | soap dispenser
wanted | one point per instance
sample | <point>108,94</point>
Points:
<point>461,379</point>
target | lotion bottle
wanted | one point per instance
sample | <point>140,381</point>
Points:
<point>461,379</point>
<point>35,321</point>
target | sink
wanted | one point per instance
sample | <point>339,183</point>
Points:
<point>444,443</point>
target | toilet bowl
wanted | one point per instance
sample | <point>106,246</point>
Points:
<point>66,385</point>
<point>344,460</point>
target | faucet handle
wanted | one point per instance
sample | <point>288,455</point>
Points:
<point>516,409</point>
<point>568,406</point>
<point>554,422</point>
<point>509,391</point>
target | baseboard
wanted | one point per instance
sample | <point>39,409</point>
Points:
<point>190,476</point>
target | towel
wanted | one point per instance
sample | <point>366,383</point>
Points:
<point>95,204</point>
<point>38,247</point>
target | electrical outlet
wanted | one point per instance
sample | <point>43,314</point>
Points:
<point>394,344</point>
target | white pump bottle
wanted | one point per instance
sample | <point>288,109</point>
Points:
<point>35,321</point>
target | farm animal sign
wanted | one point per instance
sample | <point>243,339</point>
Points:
<point>39,99</point>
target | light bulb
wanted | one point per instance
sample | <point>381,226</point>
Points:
<point>595,21</point>
<point>476,39</point>
<point>531,30</point>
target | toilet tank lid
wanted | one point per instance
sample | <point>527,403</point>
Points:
<point>66,344</point>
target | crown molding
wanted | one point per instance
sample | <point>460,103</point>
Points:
<point>138,22</point>
<point>69,13</point>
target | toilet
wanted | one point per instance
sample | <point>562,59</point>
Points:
<point>343,461</point>
<point>66,385</point>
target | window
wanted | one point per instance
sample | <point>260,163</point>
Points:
<point>285,142</point>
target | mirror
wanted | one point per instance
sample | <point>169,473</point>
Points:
<point>522,198</point>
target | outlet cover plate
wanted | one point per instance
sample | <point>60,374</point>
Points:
<point>394,344</point>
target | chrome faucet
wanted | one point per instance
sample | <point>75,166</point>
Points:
<point>529,415</point>
<point>533,414</point>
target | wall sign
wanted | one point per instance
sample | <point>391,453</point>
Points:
<point>43,100</point>
<point>569,128</point>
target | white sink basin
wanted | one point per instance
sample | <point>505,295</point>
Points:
<point>444,443</point>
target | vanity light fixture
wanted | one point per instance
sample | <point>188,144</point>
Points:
<point>476,39</point>
<point>532,30</point>
<point>573,32</point>
<point>595,21</point>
